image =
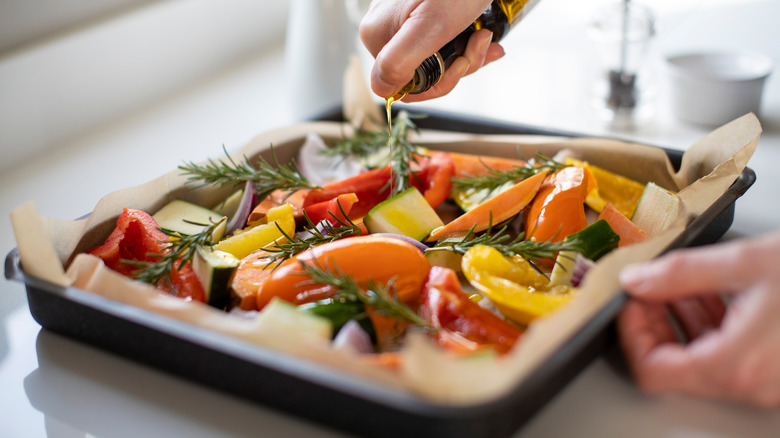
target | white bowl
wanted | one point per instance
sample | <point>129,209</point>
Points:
<point>717,87</point>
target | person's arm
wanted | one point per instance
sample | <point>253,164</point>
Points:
<point>400,34</point>
<point>733,352</point>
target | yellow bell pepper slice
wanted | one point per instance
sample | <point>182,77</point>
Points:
<point>623,193</point>
<point>517,289</point>
<point>247,241</point>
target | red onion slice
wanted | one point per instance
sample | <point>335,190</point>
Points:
<point>419,245</point>
<point>353,337</point>
<point>245,207</point>
<point>321,169</point>
<point>581,267</point>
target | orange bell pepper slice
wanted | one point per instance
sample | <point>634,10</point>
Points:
<point>495,210</point>
<point>364,258</point>
<point>558,209</point>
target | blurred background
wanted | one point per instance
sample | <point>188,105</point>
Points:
<point>69,67</point>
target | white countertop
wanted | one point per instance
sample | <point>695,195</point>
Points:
<point>55,387</point>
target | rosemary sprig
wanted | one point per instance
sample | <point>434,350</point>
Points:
<point>496,178</point>
<point>361,144</point>
<point>402,153</point>
<point>266,177</point>
<point>532,251</point>
<point>280,252</point>
<point>178,251</point>
<point>375,295</point>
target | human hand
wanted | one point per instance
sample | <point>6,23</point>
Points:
<point>401,34</point>
<point>733,352</point>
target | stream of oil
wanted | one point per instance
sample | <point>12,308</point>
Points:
<point>388,104</point>
<point>397,96</point>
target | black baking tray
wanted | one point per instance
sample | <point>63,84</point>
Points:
<point>328,396</point>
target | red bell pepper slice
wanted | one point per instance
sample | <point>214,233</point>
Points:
<point>435,176</point>
<point>432,177</point>
<point>370,187</point>
<point>136,236</point>
<point>326,210</point>
<point>444,305</point>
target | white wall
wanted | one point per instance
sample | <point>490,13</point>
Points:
<point>24,22</point>
<point>51,89</point>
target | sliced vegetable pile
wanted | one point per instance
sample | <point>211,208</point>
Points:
<point>373,239</point>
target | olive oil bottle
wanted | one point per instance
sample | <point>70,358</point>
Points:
<point>499,17</point>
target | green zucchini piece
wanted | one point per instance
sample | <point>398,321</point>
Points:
<point>443,255</point>
<point>188,218</point>
<point>406,213</point>
<point>229,206</point>
<point>281,315</point>
<point>596,240</point>
<point>656,210</point>
<point>468,199</point>
<point>339,312</point>
<point>215,269</point>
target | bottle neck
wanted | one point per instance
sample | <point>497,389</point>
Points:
<point>432,69</point>
<point>495,20</point>
<point>428,74</point>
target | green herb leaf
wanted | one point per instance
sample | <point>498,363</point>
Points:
<point>401,152</point>
<point>378,296</point>
<point>496,178</point>
<point>531,250</point>
<point>178,251</point>
<point>361,144</point>
<point>280,252</point>
<point>266,177</point>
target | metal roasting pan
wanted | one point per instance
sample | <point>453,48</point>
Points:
<point>327,396</point>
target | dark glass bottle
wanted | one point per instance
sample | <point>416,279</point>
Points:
<point>499,17</point>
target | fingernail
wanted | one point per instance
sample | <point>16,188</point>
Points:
<point>483,45</point>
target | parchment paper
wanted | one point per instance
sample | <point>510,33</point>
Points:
<point>49,246</point>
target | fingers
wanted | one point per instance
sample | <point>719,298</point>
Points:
<point>494,53</point>
<point>737,361</point>
<point>642,328</point>
<point>698,315</point>
<point>719,364</point>
<point>401,34</point>
<point>396,62</point>
<point>475,57</point>
<point>704,270</point>
<point>457,70</point>
<point>477,49</point>
<point>732,351</point>
<point>658,362</point>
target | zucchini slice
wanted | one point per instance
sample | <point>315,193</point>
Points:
<point>188,218</point>
<point>597,240</point>
<point>406,213</point>
<point>657,209</point>
<point>215,270</point>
